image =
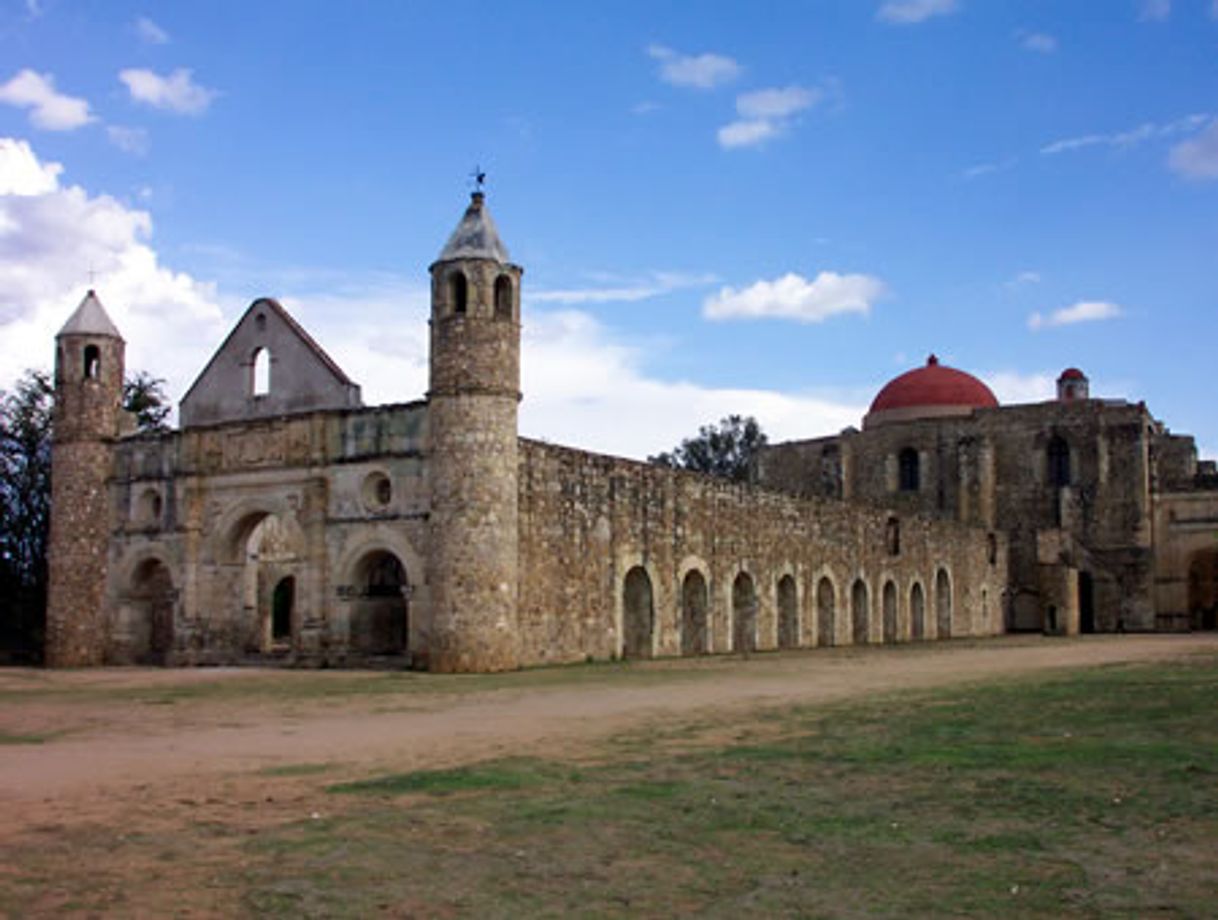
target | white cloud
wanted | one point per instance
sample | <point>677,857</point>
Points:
<point>766,113</point>
<point>905,12</point>
<point>1012,387</point>
<point>49,109</point>
<point>985,169</point>
<point>1085,311</point>
<point>1040,42</point>
<point>129,140</point>
<point>696,71</point>
<point>150,32</point>
<point>1025,277</point>
<point>1156,10</point>
<point>625,291</point>
<point>176,92</point>
<point>794,297</point>
<point>52,236</point>
<point>1197,158</point>
<point>1146,131</point>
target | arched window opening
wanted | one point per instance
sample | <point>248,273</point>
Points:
<point>695,638</point>
<point>909,474</point>
<point>92,362</point>
<point>744,614</point>
<point>943,604</point>
<point>917,612</point>
<point>991,548</point>
<point>638,614</point>
<point>890,613</point>
<point>1058,454</point>
<point>893,537</point>
<point>503,297</point>
<point>148,510</point>
<point>380,615</point>
<point>282,601</point>
<point>260,378</point>
<point>860,612</point>
<point>788,613</point>
<point>826,603</point>
<point>458,292</point>
<point>148,612</point>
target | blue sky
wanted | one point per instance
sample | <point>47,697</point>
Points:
<point>719,207</point>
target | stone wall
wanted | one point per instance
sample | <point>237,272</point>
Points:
<point>588,521</point>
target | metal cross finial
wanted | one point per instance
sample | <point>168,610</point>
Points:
<point>479,177</point>
<point>92,275</point>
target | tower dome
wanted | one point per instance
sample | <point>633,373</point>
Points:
<point>933,391</point>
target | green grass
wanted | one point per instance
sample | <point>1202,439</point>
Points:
<point>18,738</point>
<point>498,775</point>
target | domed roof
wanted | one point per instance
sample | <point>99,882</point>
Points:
<point>933,390</point>
<point>1072,373</point>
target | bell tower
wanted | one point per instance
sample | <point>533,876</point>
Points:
<point>88,398</point>
<point>473,396</point>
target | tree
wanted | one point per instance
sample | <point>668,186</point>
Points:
<point>726,449</point>
<point>25,496</point>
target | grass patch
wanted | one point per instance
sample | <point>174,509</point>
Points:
<point>514,774</point>
<point>19,738</point>
<point>297,769</point>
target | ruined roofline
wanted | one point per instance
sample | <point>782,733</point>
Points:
<point>283,416</point>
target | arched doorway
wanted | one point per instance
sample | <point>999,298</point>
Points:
<point>890,612</point>
<point>943,604</point>
<point>788,613</point>
<point>264,554</point>
<point>694,602</point>
<point>1086,603</point>
<point>149,612</point>
<point>859,612</point>
<point>917,612</point>
<point>638,614</point>
<point>283,600</point>
<point>1203,590</point>
<point>826,602</point>
<point>379,620</point>
<point>744,614</point>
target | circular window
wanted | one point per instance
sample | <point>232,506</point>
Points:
<point>377,491</point>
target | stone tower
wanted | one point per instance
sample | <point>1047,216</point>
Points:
<point>88,397</point>
<point>473,397</point>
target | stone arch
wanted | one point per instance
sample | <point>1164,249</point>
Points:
<point>638,614</point>
<point>504,298</point>
<point>146,612</point>
<point>744,614</point>
<point>91,363</point>
<point>695,607</point>
<point>1203,590</point>
<point>826,613</point>
<point>458,292</point>
<point>860,612</point>
<point>888,605</point>
<point>378,619</point>
<point>917,611</point>
<point>943,604</point>
<point>787,596</point>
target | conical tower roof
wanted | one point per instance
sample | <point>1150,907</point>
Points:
<point>90,318</point>
<point>476,236</point>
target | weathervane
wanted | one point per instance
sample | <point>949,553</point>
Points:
<point>478,176</point>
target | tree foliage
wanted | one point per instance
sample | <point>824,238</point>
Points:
<point>25,496</point>
<point>726,449</point>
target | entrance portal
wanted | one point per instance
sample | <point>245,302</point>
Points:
<point>693,615</point>
<point>1086,603</point>
<point>150,613</point>
<point>1203,591</point>
<point>638,614</point>
<point>744,614</point>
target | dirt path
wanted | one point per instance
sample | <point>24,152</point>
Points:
<point>116,753</point>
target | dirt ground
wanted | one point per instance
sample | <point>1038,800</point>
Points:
<point>117,746</point>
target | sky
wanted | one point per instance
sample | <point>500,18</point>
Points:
<point>766,209</point>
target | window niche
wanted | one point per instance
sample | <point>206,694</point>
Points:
<point>458,293</point>
<point>503,298</point>
<point>909,473</point>
<point>92,363</point>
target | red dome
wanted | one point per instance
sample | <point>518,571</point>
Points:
<point>933,387</point>
<point>1072,373</point>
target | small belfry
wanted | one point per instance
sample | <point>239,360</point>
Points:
<point>473,452</point>
<point>89,354</point>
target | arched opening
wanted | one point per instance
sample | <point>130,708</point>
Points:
<point>92,363</point>
<point>283,599</point>
<point>148,508</point>
<point>788,613</point>
<point>638,614</point>
<point>917,612</point>
<point>909,475</point>
<point>744,614</point>
<point>1086,603</point>
<point>1203,590</point>
<point>380,615</point>
<point>503,297</point>
<point>991,548</point>
<point>260,373</point>
<point>694,603</point>
<point>458,292</point>
<point>892,536</point>
<point>860,612</point>
<point>826,603</point>
<point>1057,456</point>
<point>943,604</point>
<point>148,614</point>
<point>889,602</point>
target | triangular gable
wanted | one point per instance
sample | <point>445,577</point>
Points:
<point>303,378</point>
